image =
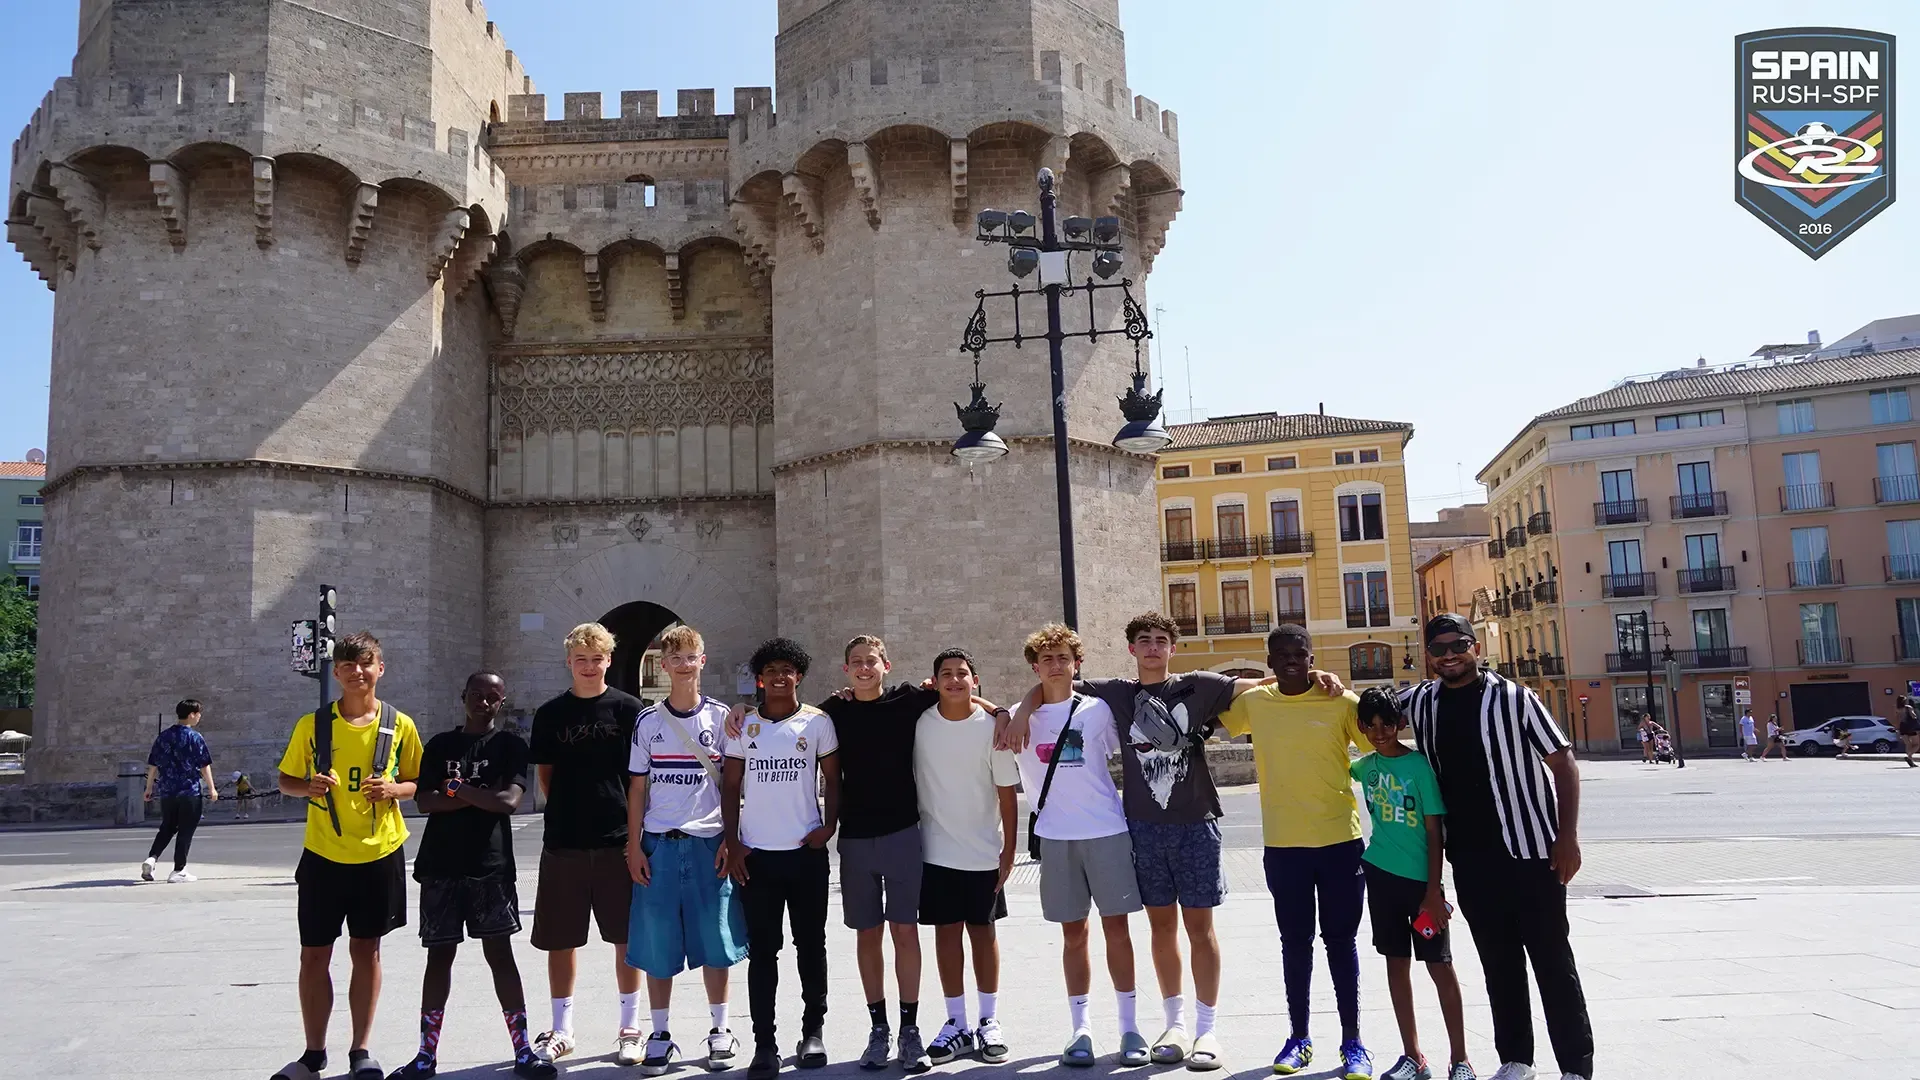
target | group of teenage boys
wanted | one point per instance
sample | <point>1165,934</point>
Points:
<point>689,833</point>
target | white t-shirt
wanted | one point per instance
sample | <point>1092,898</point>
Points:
<point>780,793</point>
<point>1746,729</point>
<point>959,774</point>
<point>680,793</point>
<point>1773,729</point>
<point>1083,803</point>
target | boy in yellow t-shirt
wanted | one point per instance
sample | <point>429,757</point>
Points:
<point>352,870</point>
<point>1311,823</point>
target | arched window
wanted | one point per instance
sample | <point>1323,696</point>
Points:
<point>647,188</point>
<point>1370,660</point>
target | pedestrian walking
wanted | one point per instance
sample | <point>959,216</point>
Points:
<point>1512,790</point>
<point>1647,728</point>
<point>1776,739</point>
<point>1842,738</point>
<point>1909,722</point>
<point>242,796</point>
<point>1749,741</point>
<point>179,772</point>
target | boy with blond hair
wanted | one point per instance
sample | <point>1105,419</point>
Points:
<point>579,748</point>
<point>686,911</point>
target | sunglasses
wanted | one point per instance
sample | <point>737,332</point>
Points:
<point>1456,647</point>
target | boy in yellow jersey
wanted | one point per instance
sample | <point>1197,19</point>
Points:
<point>1311,824</point>
<point>352,872</point>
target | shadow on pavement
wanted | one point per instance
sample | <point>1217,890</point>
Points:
<point>109,883</point>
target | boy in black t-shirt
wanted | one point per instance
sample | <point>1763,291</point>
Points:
<point>471,783</point>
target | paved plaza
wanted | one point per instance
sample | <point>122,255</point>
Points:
<point>1730,919</point>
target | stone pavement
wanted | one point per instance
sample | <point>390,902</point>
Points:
<point>1707,959</point>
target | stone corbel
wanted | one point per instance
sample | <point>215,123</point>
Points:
<point>170,194</point>
<point>866,180</point>
<point>1113,191</point>
<point>508,283</point>
<point>596,287</point>
<point>473,253</point>
<point>453,228</point>
<point>957,173</point>
<point>676,288</point>
<point>365,199</point>
<point>1157,212</point>
<point>56,230</point>
<point>82,199</point>
<point>754,224</point>
<point>1054,156</point>
<point>22,235</point>
<point>797,190</point>
<point>263,201</point>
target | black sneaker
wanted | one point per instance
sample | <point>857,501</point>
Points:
<point>418,1069</point>
<point>659,1054</point>
<point>525,1064</point>
<point>765,1064</point>
<point>722,1048</point>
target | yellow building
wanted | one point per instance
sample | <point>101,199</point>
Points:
<point>1268,519</point>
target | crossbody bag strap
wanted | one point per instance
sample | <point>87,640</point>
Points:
<point>693,745</point>
<point>383,742</point>
<point>1054,761</point>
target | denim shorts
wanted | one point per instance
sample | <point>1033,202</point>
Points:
<point>688,916</point>
<point>1178,864</point>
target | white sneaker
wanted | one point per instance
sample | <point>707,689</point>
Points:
<point>551,1046</point>
<point>146,869</point>
<point>179,876</point>
<point>1513,1070</point>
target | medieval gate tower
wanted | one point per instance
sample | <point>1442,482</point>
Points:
<point>337,302</point>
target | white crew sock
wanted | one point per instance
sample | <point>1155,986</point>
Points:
<point>957,1011</point>
<point>1175,1007</point>
<point>563,1014</point>
<point>986,1004</point>
<point>1077,1009</point>
<point>630,1011</point>
<point>1127,1021</point>
<point>659,1018</point>
<point>719,1011</point>
<point>1202,1019</point>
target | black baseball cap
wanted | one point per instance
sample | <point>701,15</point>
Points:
<point>1449,623</point>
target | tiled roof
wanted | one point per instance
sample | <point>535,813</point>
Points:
<point>1273,428</point>
<point>23,470</point>
<point>1683,387</point>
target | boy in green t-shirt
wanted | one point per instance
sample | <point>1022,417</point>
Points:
<point>1402,865</point>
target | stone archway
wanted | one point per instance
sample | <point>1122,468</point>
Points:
<point>635,625</point>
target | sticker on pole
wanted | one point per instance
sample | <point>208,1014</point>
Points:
<point>1813,131</point>
<point>305,652</point>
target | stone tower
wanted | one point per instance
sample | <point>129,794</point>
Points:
<point>263,221</point>
<point>897,123</point>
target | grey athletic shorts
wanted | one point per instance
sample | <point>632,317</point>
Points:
<point>1077,874</point>
<point>880,879</point>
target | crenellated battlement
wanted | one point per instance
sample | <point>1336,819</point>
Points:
<point>584,117</point>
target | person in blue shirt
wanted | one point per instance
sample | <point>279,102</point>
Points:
<point>179,772</point>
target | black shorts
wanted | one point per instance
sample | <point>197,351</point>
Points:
<point>949,896</point>
<point>371,897</point>
<point>484,907</point>
<point>1394,902</point>
<point>579,886</point>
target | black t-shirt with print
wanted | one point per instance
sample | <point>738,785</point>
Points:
<point>877,793</point>
<point>587,741</point>
<point>470,842</point>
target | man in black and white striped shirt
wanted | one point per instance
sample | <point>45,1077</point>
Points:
<point>1511,837</point>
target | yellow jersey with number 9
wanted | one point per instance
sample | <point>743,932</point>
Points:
<point>368,831</point>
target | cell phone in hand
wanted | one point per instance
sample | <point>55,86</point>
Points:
<point>1423,925</point>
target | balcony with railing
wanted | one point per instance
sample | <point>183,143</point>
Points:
<point>1620,663</point>
<point>1516,538</point>
<point>1553,666</point>
<point>1529,669</point>
<point>1816,573</point>
<point>1806,497</point>
<point>1522,599</point>
<point>1700,504</point>
<point>1372,671</point>
<point>1234,547</point>
<point>1246,622</point>
<point>1356,618</point>
<point>1901,567</point>
<point>1547,592</point>
<point>1732,656</point>
<point>1706,579</point>
<point>1506,669</point>
<point>1496,548</point>
<point>1297,617</point>
<point>25,552</point>
<point>1906,648</point>
<point>1540,524</point>
<point>1189,625</point>
<point>1501,607</point>
<point>1290,544</point>
<point>1621,586</point>
<point>1624,512</point>
<point>1899,488</point>
<point>1824,651</point>
<point>1183,550</point>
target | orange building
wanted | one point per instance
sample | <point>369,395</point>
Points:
<point>1761,521</point>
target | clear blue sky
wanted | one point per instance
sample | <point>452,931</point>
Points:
<point>1455,215</point>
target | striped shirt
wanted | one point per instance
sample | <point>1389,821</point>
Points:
<point>681,794</point>
<point>1516,733</point>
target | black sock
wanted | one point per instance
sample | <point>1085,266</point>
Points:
<point>314,1059</point>
<point>355,1057</point>
<point>877,1012</point>
<point>909,1013</point>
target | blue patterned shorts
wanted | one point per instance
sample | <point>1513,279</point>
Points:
<point>1178,864</point>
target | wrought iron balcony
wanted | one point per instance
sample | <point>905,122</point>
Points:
<point>1824,651</point>
<point>1297,617</point>
<point>1522,600</point>
<point>1529,669</point>
<point>1896,489</point>
<point>1553,666</point>
<point>1356,618</point>
<point>1615,586</point>
<point>1705,579</point>
<point>1235,547</point>
<point>1816,573</point>
<point>1806,497</point>
<point>1901,567</point>
<point>1373,672</point>
<point>1290,544</point>
<point>1540,524</point>
<point>1733,656</point>
<point>1249,622</point>
<point>1183,550</point>
<point>1547,592</point>
<point>1906,648</point>
<point>1501,608</point>
<point>1506,670</point>
<point>1623,662</point>
<point>1496,548</point>
<point>1626,512</point>
<point>1189,626</point>
<point>1700,504</point>
<point>1516,538</point>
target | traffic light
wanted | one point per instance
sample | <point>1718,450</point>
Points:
<point>328,625</point>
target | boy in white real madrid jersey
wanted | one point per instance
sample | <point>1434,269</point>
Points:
<point>776,844</point>
<point>686,911</point>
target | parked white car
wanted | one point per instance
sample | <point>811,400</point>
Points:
<point>1869,733</point>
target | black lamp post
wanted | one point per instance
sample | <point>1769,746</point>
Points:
<point>1049,251</point>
